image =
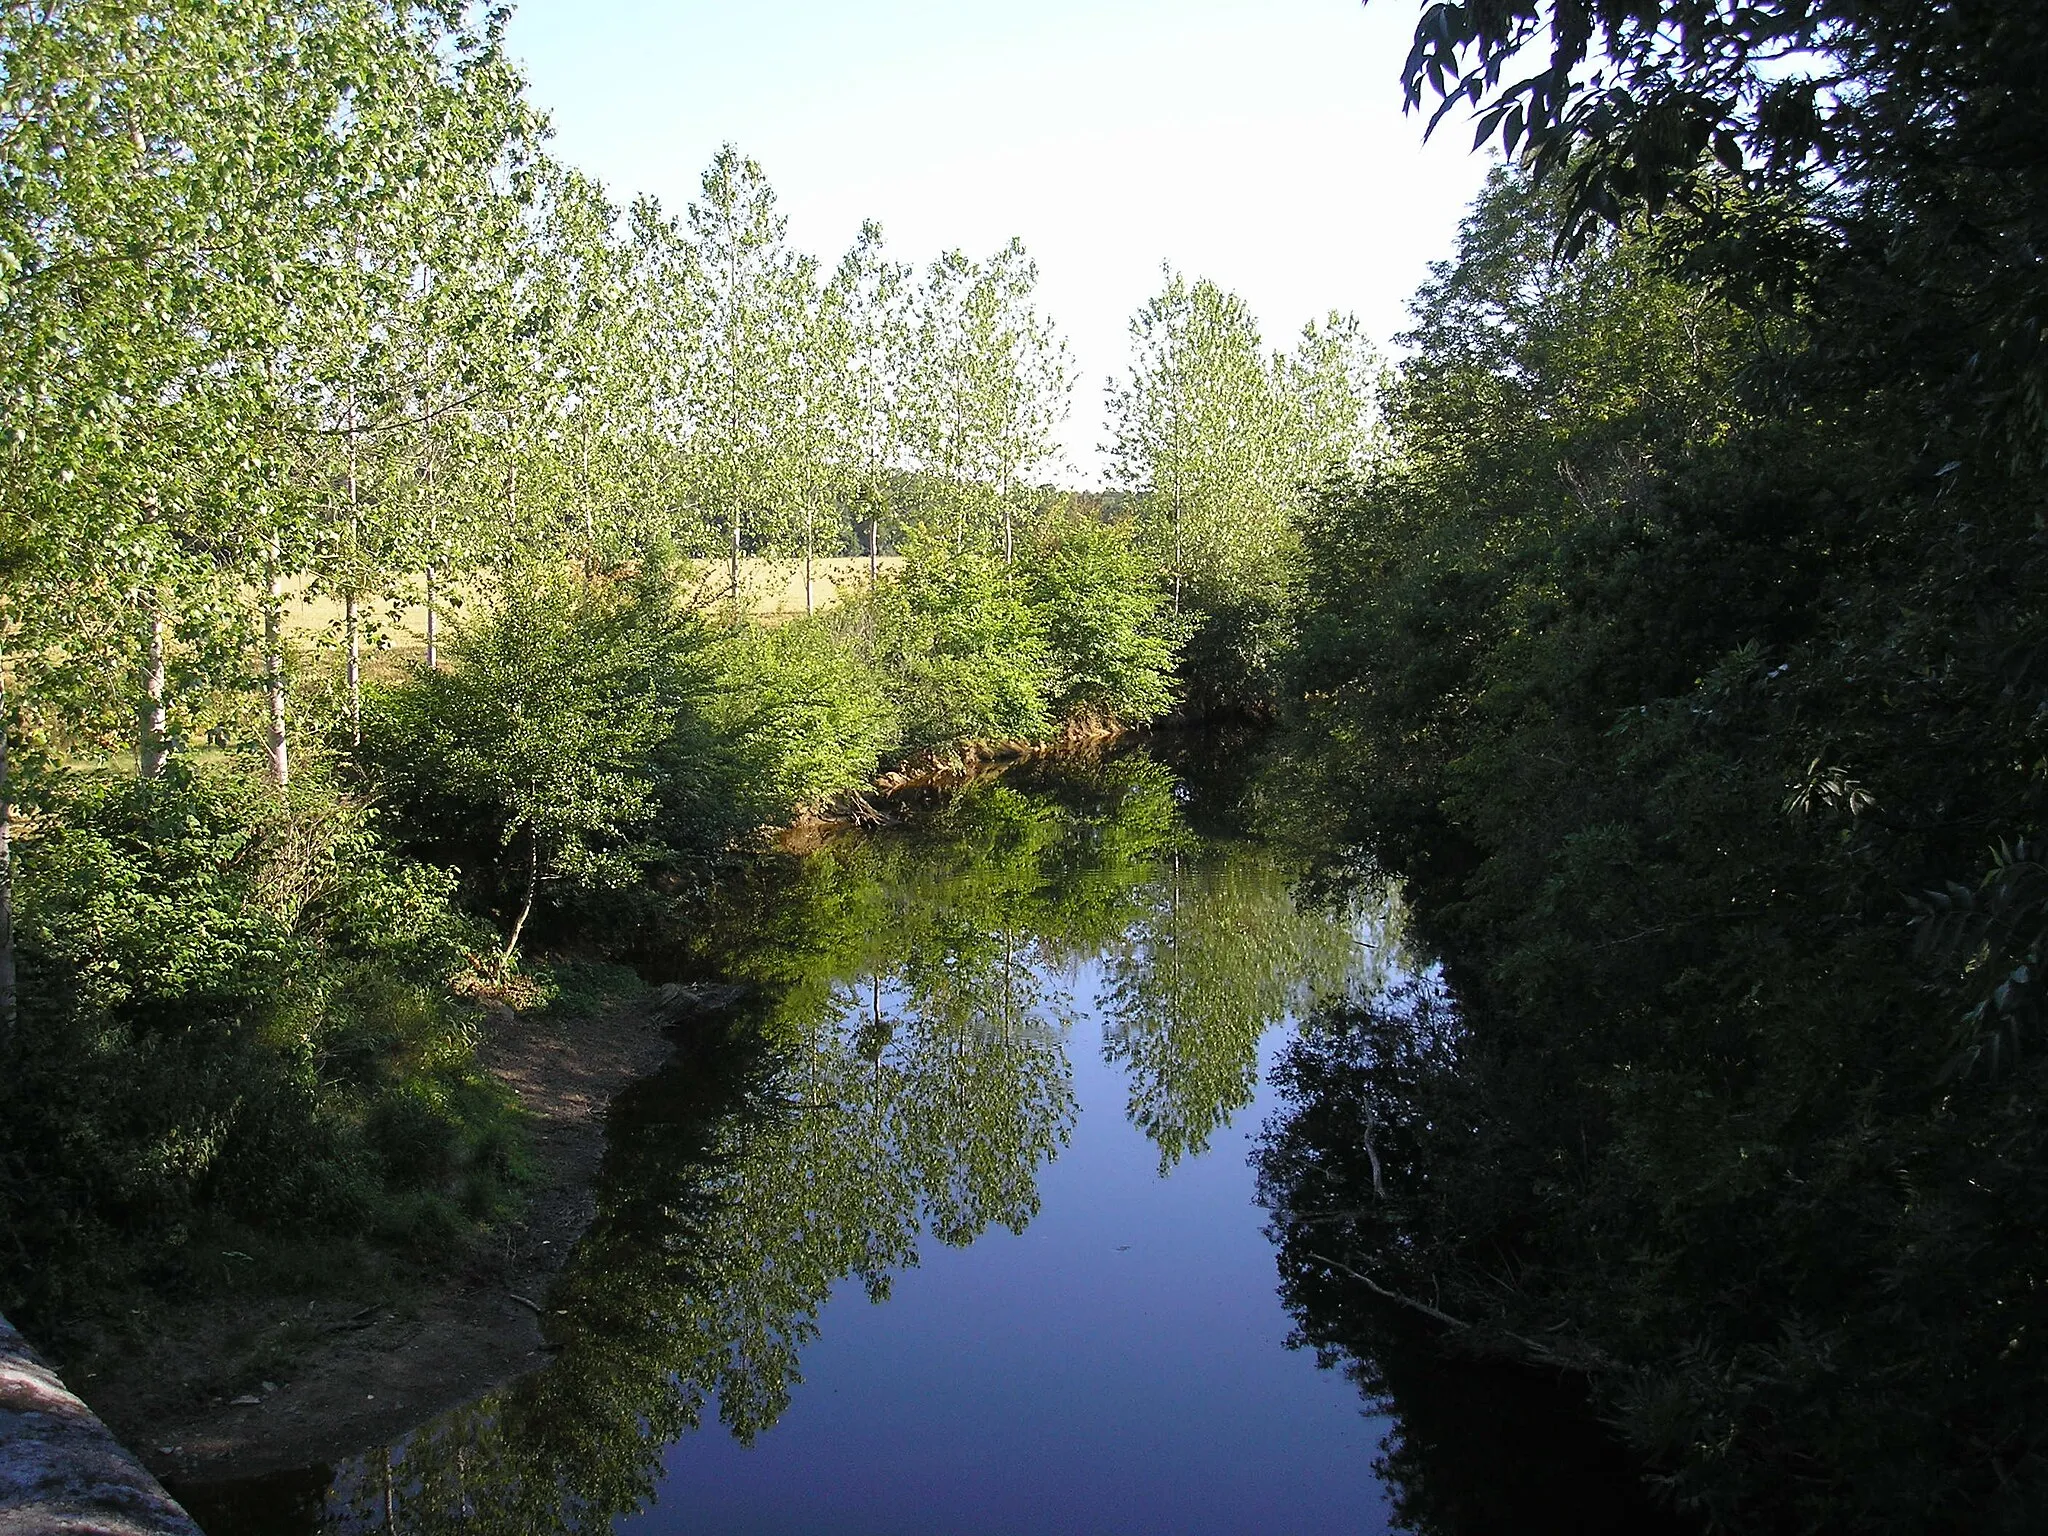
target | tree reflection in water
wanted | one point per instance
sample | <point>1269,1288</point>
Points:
<point>1490,1432</point>
<point>1218,953</point>
<point>899,1071</point>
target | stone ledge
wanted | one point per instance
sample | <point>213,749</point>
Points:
<point>62,1472</point>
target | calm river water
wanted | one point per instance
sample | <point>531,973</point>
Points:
<point>954,1226</point>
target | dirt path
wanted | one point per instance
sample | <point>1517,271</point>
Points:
<point>361,1378</point>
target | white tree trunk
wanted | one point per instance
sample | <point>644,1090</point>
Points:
<point>152,736</point>
<point>1176,549</point>
<point>433,646</point>
<point>526,906</point>
<point>433,523</point>
<point>348,599</point>
<point>735,569</point>
<point>276,744</point>
<point>7,1004</point>
<point>355,668</point>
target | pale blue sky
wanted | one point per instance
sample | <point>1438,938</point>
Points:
<point>1256,142</point>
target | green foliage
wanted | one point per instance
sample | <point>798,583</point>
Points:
<point>591,733</point>
<point>1672,676</point>
<point>1217,443</point>
<point>1846,160</point>
<point>805,713</point>
<point>1111,639</point>
<point>567,737</point>
<point>1234,663</point>
<point>970,648</point>
<point>965,652</point>
<point>234,1017</point>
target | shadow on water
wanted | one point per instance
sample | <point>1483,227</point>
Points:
<point>902,1074</point>
<point>1490,1433</point>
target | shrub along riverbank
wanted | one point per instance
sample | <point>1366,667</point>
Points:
<point>248,1016</point>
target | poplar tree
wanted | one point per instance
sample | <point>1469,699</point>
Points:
<point>1332,382</point>
<point>661,320</point>
<point>595,379</point>
<point>451,357</point>
<point>1022,381</point>
<point>943,424</point>
<point>742,375</point>
<point>991,383</point>
<point>1200,433</point>
<point>873,299</point>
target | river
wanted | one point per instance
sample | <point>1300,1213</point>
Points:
<point>954,1224</point>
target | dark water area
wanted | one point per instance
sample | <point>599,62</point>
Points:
<point>955,1225</point>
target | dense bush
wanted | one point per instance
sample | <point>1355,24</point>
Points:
<point>1110,639</point>
<point>568,745</point>
<point>234,1010</point>
<point>964,653</point>
<point>593,740</point>
<point>1675,683</point>
<point>970,649</point>
<point>1234,665</point>
<point>804,711</point>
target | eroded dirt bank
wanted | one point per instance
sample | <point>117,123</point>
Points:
<point>196,1405</point>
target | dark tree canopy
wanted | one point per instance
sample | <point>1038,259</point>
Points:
<point>1877,164</point>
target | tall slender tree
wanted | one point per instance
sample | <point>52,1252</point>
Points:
<point>742,374</point>
<point>991,385</point>
<point>1200,432</point>
<point>874,297</point>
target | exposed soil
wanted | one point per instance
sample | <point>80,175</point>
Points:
<point>936,773</point>
<point>274,1383</point>
<point>955,765</point>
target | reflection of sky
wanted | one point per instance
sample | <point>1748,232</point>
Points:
<point>1118,1368</point>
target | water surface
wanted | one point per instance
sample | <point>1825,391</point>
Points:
<point>952,1225</point>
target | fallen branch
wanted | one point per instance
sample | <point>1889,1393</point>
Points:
<point>1587,1361</point>
<point>1377,1289</point>
<point>1328,1218</point>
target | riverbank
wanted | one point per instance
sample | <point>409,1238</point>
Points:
<point>285,1364</point>
<point>242,1388</point>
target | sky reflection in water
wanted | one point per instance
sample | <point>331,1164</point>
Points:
<point>952,1228</point>
<point>1120,1366</point>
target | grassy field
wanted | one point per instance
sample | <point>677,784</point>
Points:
<point>395,633</point>
<point>772,590</point>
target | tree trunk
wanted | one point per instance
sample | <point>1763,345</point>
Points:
<point>1176,549</point>
<point>589,513</point>
<point>735,568</point>
<point>433,647</point>
<point>526,906</point>
<point>273,671</point>
<point>433,524</point>
<point>874,549</point>
<point>810,533</point>
<point>7,1004</point>
<point>1008,556</point>
<point>348,599</point>
<point>355,668</point>
<point>152,735</point>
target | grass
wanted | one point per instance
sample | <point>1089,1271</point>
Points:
<point>772,589</point>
